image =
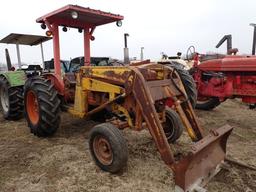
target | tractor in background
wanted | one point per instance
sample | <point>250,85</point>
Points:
<point>134,97</point>
<point>220,77</point>
<point>182,67</point>
<point>12,81</point>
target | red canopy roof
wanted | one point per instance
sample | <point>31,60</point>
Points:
<point>86,17</point>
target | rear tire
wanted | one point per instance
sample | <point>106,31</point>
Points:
<point>173,127</point>
<point>209,104</point>
<point>188,82</point>
<point>42,107</point>
<point>11,100</point>
<point>108,147</point>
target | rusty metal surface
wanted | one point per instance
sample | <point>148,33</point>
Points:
<point>146,87</point>
<point>104,105</point>
<point>69,80</point>
<point>140,63</point>
<point>204,157</point>
<point>193,122</point>
<point>145,101</point>
<point>158,89</point>
<point>115,75</point>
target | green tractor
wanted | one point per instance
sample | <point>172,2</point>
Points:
<point>12,81</point>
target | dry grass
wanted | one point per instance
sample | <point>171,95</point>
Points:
<point>63,162</point>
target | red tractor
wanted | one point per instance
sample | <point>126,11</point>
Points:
<point>219,77</point>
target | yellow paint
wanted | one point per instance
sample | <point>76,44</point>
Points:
<point>90,84</point>
<point>76,113</point>
<point>118,108</point>
<point>80,106</point>
<point>105,72</point>
<point>185,121</point>
<point>87,85</point>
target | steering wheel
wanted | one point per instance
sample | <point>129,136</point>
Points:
<point>190,53</point>
<point>75,68</point>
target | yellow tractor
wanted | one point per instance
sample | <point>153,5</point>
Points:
<point>133,97</point>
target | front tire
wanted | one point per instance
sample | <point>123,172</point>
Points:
<point>108,147</point>
<point>208,104</point>
<point>11,100</point>
<point>42,107</point>
<point>173,127</point>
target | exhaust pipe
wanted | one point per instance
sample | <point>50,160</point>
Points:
<point>227,38</point>
<point>8,60</point>
<point>126,50</point>
<point>254,38</point>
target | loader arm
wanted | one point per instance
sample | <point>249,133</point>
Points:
<point>145,101</point>
<point>203,160</point>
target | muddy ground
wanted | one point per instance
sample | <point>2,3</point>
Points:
<point>63,162</point>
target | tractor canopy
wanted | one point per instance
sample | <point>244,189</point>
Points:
<point>84,19</point>
<point>24,39</point>
<point>79,17</point>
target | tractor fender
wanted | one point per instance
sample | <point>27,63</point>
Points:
<point>57,81</point>
<point>15,78</point>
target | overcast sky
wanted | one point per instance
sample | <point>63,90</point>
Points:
<point>159,26</point>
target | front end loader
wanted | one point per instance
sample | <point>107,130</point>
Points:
<point>137,97</point>
<point>125,97</point>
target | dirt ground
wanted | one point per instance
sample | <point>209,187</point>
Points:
<point>63,163</point>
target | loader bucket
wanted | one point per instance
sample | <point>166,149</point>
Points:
<point>203,161</point>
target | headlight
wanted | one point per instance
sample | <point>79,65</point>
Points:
<point>74,14</point>
<point>119,23</point>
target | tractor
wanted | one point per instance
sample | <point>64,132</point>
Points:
<point>182,67</point>
<point>131,97</point>
<point>219,77</point>
<point>12,81</point>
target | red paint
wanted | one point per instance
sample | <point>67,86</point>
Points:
<point>87,19</point>
<point>230,63</point>
<point>238,79</point>
<point>32,107</point>
<point>87,37</point>
<point>56,50</point>
<point>169,102</point>
<point>57,15</point>
<point>57,81</point>
<point>196,59</point>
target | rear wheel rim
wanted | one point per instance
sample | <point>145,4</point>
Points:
<point>102,150</point>
<point>4,99</point>
<point>32,107</point>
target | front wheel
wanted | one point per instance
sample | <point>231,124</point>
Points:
<point>173,127</point>
<point>207,103</point>
<point>108,147</point>
<point>42,107</point>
